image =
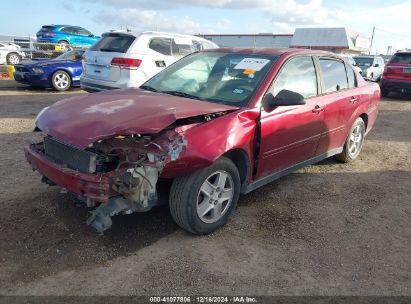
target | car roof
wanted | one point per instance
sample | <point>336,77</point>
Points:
<point>156,34</point>
<point>273,51</point>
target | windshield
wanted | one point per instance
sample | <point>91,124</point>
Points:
<point>226,78</point>
<point>71,55</point>
<point>364,61</point>
<point>401,58</point>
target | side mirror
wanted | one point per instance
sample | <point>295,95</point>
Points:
<point>91,35</point>
<point>376,65</point>
<point>283,98</point>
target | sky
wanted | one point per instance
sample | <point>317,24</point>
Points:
<point>390,17</point>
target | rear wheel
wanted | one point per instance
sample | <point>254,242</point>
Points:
<point>61,81</point>
<point>13,58</point>
<point>353,143</point>
<point>384,92</point>
<point>203,201</point>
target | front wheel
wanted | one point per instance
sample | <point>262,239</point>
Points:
<point>354,142</point>
<point>203,201</point>
<point>61,81</point>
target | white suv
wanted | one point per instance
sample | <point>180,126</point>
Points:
<point>10,53</point>
<point>126,59</point>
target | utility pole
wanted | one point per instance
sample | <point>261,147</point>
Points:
<point>372,38</point>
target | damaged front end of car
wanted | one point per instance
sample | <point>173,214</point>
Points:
<point>120,173</point>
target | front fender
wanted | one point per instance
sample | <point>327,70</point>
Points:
<point>208,141</point>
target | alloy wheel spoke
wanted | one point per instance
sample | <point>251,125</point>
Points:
<point>204,208</point>
<point>207,188</point>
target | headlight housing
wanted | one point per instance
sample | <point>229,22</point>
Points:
<point>38,70</point>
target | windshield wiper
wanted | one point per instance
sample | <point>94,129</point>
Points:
<point>148,88</point>
<point>181,94</point>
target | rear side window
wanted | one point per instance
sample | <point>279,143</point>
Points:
<point>401,58</point>
<point>334,74</point>
<point>297,75</point>
<point>113,43</point>
<point>352,80</point>
<point>161,45</point>
<point>68,30</point>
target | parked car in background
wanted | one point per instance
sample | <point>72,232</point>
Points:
<point>351,61</point>
<point>397,74</point>
<point>213,125</point>
<point>10,53</point>
<point>59,73</point>
<point>64,35</point>
<point>128,59</point>
<point>371,67</point>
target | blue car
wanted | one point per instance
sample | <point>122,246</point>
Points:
<point>59,73</point>
<point>65,35</point>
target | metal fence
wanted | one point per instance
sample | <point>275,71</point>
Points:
<point>27,50</point>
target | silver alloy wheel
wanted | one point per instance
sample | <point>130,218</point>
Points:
<point>215,196</point>
<point>14,59</point>
<point>61,80</point>
<point>356,138</point>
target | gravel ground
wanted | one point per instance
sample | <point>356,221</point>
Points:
<point>328,229</point>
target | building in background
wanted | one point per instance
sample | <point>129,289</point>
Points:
<point>250,40</point>
<point>337,40</point>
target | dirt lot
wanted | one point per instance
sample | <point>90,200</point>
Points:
<point>329,229</point>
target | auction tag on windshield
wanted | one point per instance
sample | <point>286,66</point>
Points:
<point>255,64</point>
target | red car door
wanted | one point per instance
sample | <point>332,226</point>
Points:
<point>290,134</point>
<point>340,99</point>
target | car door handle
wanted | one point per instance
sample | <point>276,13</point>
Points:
<point>317,109</point>
<point>353,99</point>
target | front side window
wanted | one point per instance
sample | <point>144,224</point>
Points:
<point>334,74</point>
<point>226,78</point>
<point>83,32</point>
<point>297,75</point>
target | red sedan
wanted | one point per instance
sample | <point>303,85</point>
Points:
<point>209,127</point>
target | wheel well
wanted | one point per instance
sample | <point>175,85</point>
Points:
<point>365,119</point>
<point>240,159</point>
<point>63,40</point>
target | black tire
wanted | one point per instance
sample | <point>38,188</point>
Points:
<point>13,58</point>
<point>185,192</point>
<point>346,156</point>
<point>58,85</point>
<point>385,92</point>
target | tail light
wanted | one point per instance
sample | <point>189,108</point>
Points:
<point>51,34</point>
<point>126,63</point>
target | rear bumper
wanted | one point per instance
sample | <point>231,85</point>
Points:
<point>396,85</point>
<point>94,87</point>
<point>93,186</point>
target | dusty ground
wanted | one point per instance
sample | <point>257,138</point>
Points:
<point>329,229</point>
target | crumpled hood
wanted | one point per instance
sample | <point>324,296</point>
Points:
<point>83,120</point>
